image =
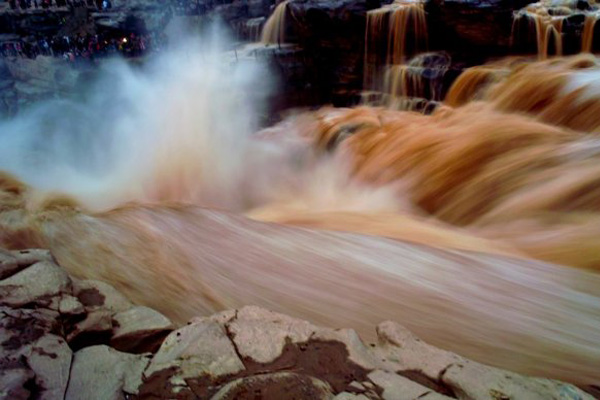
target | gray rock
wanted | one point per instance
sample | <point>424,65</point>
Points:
<point>96,295</point>
<point>8,265</point>
<point>399,350</point>
<point>101,373</point>
<point>12,382</point>
<point>37,283</point>
<point>95,329</point>
<point>195,350</point>
<point>50,360</point>
<point>350,396</point>
<point>279,385</point>
<point>396,387</point>
<point>21,328</point>
<point>261,334</point>
<point>139,329</point>
<point>28,257</point>
<point>70,306</point>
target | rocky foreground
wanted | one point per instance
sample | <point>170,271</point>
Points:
<point>66,338</point>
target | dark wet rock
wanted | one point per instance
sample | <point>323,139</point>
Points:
<point>36,284</point>
<point>139,330</point>
<point>100,372</point>
<point>476,30</point>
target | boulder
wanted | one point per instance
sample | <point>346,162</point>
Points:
<point>36,284</point>
<point>139,330</point>
<point>96,295</point>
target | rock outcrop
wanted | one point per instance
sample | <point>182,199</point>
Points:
<point>61,337</point>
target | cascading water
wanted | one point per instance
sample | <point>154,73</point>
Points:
<point>395,32</point>
<point>587,36</point>
<point>273,32</point>
<point>544,21</point>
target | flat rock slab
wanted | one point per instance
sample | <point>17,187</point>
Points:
<point>102,373</point>
<point>37,283</point>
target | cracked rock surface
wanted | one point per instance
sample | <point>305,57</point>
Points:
<point>62,338</point>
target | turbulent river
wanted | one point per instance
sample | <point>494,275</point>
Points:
<point>477,227</point>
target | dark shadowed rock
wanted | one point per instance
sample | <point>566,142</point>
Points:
<point>95,329</point>
<point>102,373</point>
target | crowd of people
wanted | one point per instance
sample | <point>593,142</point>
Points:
<point>85,47</point>
<point>45,4</point>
